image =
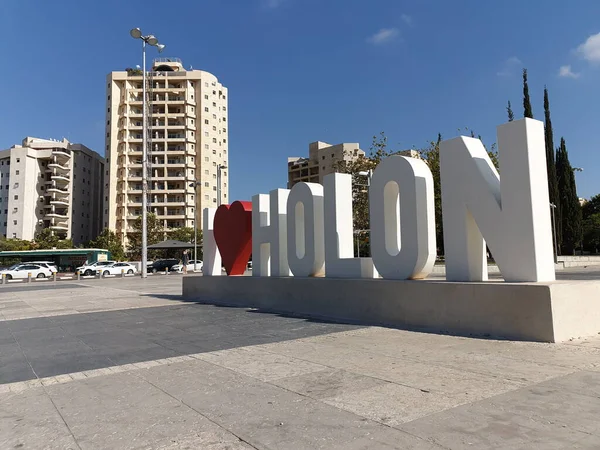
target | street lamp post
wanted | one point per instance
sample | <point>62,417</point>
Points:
<point>195,185</point>
<point>219,168</point>
<point>553,207</point>
<point>136,33</point>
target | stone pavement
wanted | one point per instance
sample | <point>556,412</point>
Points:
<point>125,364</point>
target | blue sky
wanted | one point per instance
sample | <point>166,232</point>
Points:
<point>305,70</point>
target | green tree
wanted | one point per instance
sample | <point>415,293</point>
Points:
<point>591,233</point>
<point>46,239</point>
<point>551,165</point>
<point>183,234</point>
<point>110,241</point>
<point>592,206</point>
<point>14,245</point>
<point>155,235</point>
<point>509,111</point>
<point>570,222</point>
<point>527,111</point>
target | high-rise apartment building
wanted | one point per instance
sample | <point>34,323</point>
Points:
<point>187,141</point>
<point>46,183</point>
<point>323,159</point>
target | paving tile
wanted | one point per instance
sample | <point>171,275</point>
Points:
<point>30,420</point>
<point>327,383</point>
<point>126,412</point>
<point>261,364</point>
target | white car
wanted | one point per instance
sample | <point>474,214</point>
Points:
<point>47,264</point>
<point>189,265</point>
<point>90,269</point>
<point>117,269</point>
<point>23,270</point>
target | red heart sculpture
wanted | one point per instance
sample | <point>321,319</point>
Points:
<point>233,235</point>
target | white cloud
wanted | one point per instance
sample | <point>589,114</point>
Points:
<point>566,72</point>
<point>384,35</point>
<point>590,49</point>
<point>408,20</point>
<point>509,67</point>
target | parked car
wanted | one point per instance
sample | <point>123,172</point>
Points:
<point>23,271</point>
<point>190,266</point>
<point>47,264</point>
<point>162,265</point>
<point>91,269</point>
<point>117,269</point>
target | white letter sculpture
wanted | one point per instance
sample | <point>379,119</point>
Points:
<point>269,234</point>
<point>305,237</point>
<point>211,266</point>
<point>512,212</point>
<point>339,242</point>
<point>402,214</point>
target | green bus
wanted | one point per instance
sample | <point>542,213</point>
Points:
<point>66,260</point>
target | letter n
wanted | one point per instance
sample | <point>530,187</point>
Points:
<point>511,210</point>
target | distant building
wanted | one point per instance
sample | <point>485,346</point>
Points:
<point>46,183</point>
<point>323,159</point>
<point>186,142</point>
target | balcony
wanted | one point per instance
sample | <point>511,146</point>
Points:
<point>58,166</point>
<point>60,178</point>
<point>60,226</point>
<point>59,202</point>
<point>61,153</point>
<point>57,190</point>
<point>56,215</point>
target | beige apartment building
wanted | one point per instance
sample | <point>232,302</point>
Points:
<point>47,183</point>
<point>187,141</point>
<point>323,159</point>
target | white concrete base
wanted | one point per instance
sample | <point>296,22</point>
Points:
<point>547,312</point>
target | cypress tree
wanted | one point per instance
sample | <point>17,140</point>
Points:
<point>569,202</point>
<point>509,110</point>
<point>527,111</point>
<point>551,164</point>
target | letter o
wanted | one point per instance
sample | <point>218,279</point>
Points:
<point>401,201</point>
<point>305,230</point>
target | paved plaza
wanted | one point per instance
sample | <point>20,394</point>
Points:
<point>125,363</point>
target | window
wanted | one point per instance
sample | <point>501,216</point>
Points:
<point>206,97</point>
<point>224,130</point>
<point>206,172</point>
<point>214,152</point>
<point>215,116</point>
<point>214,104</point>
<point>206,133</point>
<point>214,188</point>
<point>16,172</point>
<point>16,185</point>
<point>18,160</point>
<point>206,146</point>
<point>14,222</point>
<point>206,184</point>
<point>224,119</point>
<point>224,108</point>
<point>214,128</point>
<point>205,109</point>
<point>16,196</point>
<point>215,140</point>
<point>214,200</point>
<point>15,210</point>
<point>206,197</point>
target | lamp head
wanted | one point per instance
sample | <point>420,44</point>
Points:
<point>160,47</point>
<point>136,33</point>
<point>151,40</point>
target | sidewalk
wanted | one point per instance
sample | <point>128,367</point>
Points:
<point>271,382</point>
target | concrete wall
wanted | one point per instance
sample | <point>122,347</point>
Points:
<point>525,311</point>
